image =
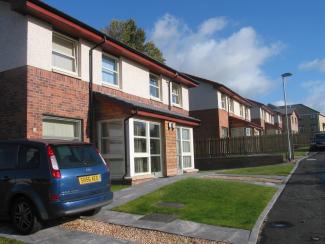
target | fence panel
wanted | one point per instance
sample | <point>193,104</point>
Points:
<point>264,144</point>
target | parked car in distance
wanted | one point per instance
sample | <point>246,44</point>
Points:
<point>47,179</point>
<point>318,142</point>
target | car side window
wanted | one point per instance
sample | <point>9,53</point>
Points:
<point>29,157</point>
<point>8,156</point>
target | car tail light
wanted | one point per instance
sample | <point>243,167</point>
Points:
<point>55,171</point>
<point>54,197</point>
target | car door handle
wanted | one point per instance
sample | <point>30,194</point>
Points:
<point>5,178</point>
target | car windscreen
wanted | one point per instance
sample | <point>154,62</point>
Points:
<point>320,137</point>
<point>76,156</point>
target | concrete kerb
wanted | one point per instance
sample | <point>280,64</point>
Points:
<point>253,237</point>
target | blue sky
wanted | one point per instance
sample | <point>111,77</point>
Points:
<point>244,44</point>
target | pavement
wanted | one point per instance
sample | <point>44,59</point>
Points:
<point>174,226</point>
<point>298,216</point>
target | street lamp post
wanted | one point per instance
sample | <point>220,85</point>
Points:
<point>284,77</point>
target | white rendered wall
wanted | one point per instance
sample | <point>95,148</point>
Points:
<point>13,38</point>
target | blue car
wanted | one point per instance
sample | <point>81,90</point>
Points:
<point>42,180</point>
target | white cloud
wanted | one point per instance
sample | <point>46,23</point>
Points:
<point>278,103</point>
<point>235,60</point>
<point>315,91</point>
<point>316,64</point>
<point>281,103</point>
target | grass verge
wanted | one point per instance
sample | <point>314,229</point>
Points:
<point>4,240</point>
<point>214,202</point>
<point>300,152</point>
<point>277,169</point>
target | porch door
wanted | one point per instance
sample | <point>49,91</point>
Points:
<point>184,149</point>
<point>179,151</point>
<point>111,145</point>
<point>147,148</point>
<point>155,149</point>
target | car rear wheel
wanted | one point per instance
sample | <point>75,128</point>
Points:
<point>23,217</point>
<point>91,212</point>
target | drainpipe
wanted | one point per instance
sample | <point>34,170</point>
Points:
<point>91,106</point>
<point>125,143</point>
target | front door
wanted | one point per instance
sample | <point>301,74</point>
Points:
<point>111,145</point>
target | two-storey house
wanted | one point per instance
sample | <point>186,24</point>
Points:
<point>264,116</point>
<point>309,119</point>
<point>62,79</point>
<point>223,112</point>
<point>293,119</point>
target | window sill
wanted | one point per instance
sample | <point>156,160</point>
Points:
<point>67,73</point>
<point>156,99</point>
<point>111,86</point>
<point>177,105</point>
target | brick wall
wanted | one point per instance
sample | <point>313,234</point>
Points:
<point>212,120</point>
<point>209,123</point>
<point>49,93</point>
<point>169,150</point>
<point>13,110</point>
<point>223,119</point>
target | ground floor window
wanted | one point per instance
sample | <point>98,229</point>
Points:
<point>147,147</point>
<point>61,128</point>
<point>184,148</point>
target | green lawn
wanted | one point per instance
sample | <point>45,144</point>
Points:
<point>118,187</point>
<point>277,169</point>
<point>207,201</point>
<point>300,152</point>
<point>4,240</point>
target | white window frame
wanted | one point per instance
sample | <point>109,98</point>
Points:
<point>159,87</point>
<point>231,105</point>
<point>247,114</point>
<point>224,101</point>
<point>147,154</point>
<point>75,58</point>
<point>117,71</point>
<point>78,123</point>
<point>174,94</point>
<point>182,153</point>
<point>242,110</point>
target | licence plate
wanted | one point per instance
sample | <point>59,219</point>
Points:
<point>89,179</point>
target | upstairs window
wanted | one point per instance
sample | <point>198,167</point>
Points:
<point>223,101</point>
<point>64,53</point>
<point>246,113</point>
<point>110,70</point>
<point>242,110</point>
<point>231,105</point>
<point>176,94</point>
<point>155,86</point>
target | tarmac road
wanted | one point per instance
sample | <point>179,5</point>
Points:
<point>298,216</point>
